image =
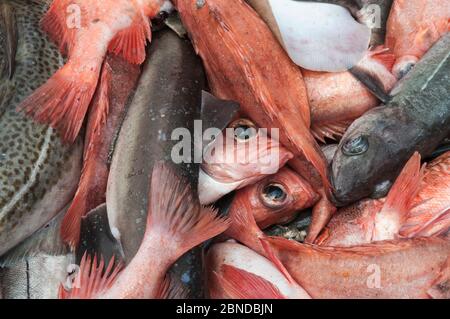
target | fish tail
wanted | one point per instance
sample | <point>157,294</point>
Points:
<point>80,206</point>
<point>240,284</point>
<point>64,99</point>
<point>175,215</point>
<point>131,42</point>
<point>400,198</point>
<point>172,289</point>
<point>92,279</point>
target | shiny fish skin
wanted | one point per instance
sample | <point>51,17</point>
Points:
<point>38,174</point>
<point>416,119</point>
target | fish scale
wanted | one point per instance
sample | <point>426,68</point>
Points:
<point>33,158</point>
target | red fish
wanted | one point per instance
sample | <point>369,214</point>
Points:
<point>86,30</point>
<point>404,268</point>
<point>105,116</point>
<point>412,29</point>
<point>234,271</point>
<point>417,205</point>
<point>176,223</point>
<point>243,156</point>
<point>240,67</point>
<point>274,200</point>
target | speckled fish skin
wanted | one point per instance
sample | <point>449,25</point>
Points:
<point>38,175</point>
<point>412,268</point>
<point>168,96</point>
<point>36,268</point>
<point>378,144</point>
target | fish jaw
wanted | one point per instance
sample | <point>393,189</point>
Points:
<point>234,254</point>
<point>231,164</point>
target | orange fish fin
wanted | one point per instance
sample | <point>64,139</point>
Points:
<point>321,215</point>
<point>70,227</point>
<point>399,201</point>
<point>384,56</point>
<point>56,24</point>
<point>175,213</point>
<point>438,225</point>
<point>240,284</point>
<point>172,289</point>
<point>63,100</point>
<point>441,287</point>
<point>92,279</point>
<point>131,42</point>
<point>332,131</point>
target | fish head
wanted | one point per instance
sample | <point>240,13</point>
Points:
<point>241,156</point>
<point>362,165</point>
<point>276,199</point>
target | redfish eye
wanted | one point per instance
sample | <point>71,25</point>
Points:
<point>356,146</point>
<point>274,195</point>
<point>244,130</point>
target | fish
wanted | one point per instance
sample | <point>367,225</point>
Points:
<point>275,200</point>
<point>35,268</point>
<point>242,155</point>
<point>266,83</point>
<point>377,219</point>
<point>413,28</point>
<point>373,13</point>
<point>38,174</point>
<point>337,99</point>
<point>167,101</point>
<point>305,29</point>
<point>86,31</point>
<point>402,268</point>
<point>103,124</point>
<point>378,144</point>
<point>96,237</point>
<point>176,223</point>
<point>234,271</point>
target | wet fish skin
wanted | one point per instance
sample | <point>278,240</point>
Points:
<point>38,174</point>
<point>412,268</point>
<point>36,268</point>
<point>168,96</point>
<point>416,119</point>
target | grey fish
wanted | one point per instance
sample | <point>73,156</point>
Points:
<point>168,96</point>
<point>36,268</point>
<point>38,174</point>
<point>377,145</point>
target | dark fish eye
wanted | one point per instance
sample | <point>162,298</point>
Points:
<point>356,146</point>
<point>244,130</point>
<point>274,195</point>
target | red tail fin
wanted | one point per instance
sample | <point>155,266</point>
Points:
<point>91,279</point>
<point>399,201</point>
<point>63,101</point>
<point>176,214</point>
<point>70,227</point>
<point>240,284</point>
<point>130,43</point>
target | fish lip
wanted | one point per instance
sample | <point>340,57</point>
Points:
<point>331,194</point>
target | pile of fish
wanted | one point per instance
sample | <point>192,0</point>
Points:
<point>225,149</point>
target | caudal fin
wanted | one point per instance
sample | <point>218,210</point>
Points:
<point>63,100</point>
<point>240,284</point>
<point>70,227</point>
<point>398,203</point>
<point>91,280</point>
<point>175,214</point>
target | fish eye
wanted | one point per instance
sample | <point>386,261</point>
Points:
<point>274,195</point>
<point>244,130</point>
<point>356,146</point>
